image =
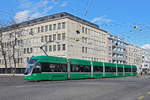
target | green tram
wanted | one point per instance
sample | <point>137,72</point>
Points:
<point>59,68</point>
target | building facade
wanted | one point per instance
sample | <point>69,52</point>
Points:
<point>134,55</point>
<point>62,35</point>
<point>145,61</point>
<point>116,50</point>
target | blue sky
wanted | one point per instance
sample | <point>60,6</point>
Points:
<point>118,17</point>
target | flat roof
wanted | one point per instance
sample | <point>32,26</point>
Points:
<point>51,17</point>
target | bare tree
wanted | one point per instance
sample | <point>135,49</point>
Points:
<point>2,49</point>
<point>16,33</point>
<point>14,36</point>
<point>9,48</point>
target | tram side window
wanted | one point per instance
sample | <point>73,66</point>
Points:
<point>98,69</point>
<point>113,69</point>
<point>51,67</point>
<point>74,68</point>
<point>120,69</point>
<point>45,67</point>
<point>80,68</point>
<point>36,70</point>
<point>64,67</point>
<point>107,69</point>
<point>127,69</point>
<point>134,70</point>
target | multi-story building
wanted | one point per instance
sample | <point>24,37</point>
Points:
<point>134,55</point>
<point>116,50</point>
<point>145,60</point>
<point>65,35</point>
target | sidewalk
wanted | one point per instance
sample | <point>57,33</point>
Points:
<point>1,75</point>
<point>143,77</point>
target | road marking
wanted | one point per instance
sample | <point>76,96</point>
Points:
<point>140,97</point>
<point>148,92</point>
<point>22,86</point>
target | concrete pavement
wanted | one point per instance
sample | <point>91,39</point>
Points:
<point>128,88</point>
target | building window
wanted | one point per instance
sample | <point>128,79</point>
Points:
<point>82,49</point>
<point>31,50</point>
<point>50,27</point>
<point>50,48</point>
<point>21,60</point>
<point>109,54</point>
<point>59,25</point>
<point>63,25</point>
<point>86,30</point>
<point>10,35</point>
<point>54,37</point>
<point>110,48</point>
<point>46,28</point>
<point>50,38</point>
<point>59,37</point>
<point>46,39</point>
<point>31,31</point>
<point>109,41</point>
<point>38,29</point>
<point>64,47</point>
<point>54,47</point>
<point>45,48</point>
<point>42,39</point>
<point>54,26</point>
<point>63,36</point>
<point>27,59</point>
<point>85,49</point>
<point>58,47</point>
<point>83,39</point>
<point>42,28</point>
<point>24,50</point>
<point>82,29</point>
<point>28,50</point>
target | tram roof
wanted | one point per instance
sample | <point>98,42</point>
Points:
<point>95,63</point>
<point>79,62</point>
<point>50,59</point>
<point>109,64</point>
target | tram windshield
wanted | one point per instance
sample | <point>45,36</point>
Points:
<point>30,65</point>
<point>32,61</point>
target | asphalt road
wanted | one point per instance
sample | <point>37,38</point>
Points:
<point>128,88</point>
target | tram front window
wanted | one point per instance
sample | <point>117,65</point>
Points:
<point>32,61</point>
<point>30,65</point>
<point>28,69</point>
